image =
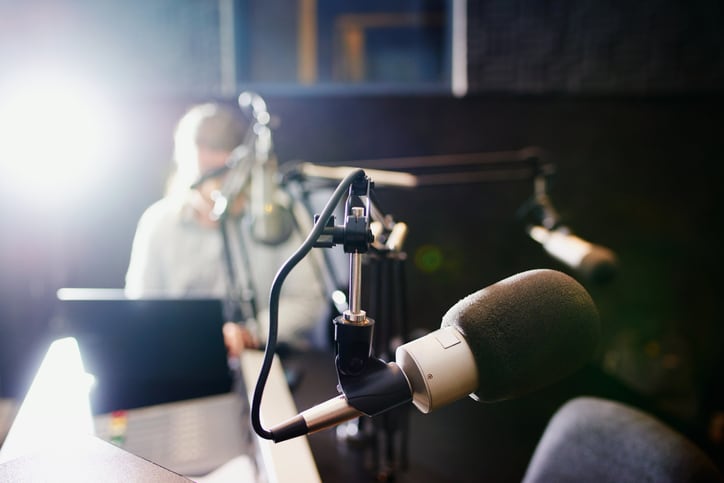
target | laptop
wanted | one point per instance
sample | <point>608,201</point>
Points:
<point>163,386</point>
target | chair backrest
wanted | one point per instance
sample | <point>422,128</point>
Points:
<point>597,440</point>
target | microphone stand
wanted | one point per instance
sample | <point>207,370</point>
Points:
<point>538,209</point>
<point>355,343</point>
<point>233,303</point>
<point>385,439</point>
<point>240,303</point>
<point>388,298</point>
<point>241,297</point>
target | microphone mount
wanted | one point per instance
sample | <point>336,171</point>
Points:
<point>369,384</point>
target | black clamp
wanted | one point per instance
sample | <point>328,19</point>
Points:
<point>355,235</point>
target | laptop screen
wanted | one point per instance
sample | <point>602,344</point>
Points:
<point>143,352</point>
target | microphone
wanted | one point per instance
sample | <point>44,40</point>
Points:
<point>592,262</point>
<point>508,339</point>
<point>271,222</point>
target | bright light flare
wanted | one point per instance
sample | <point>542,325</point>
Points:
<point>55,133</point>
<point>56,409</point>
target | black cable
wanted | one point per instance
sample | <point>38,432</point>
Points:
<point>275,291</point>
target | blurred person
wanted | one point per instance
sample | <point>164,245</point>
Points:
<point>178,248</point>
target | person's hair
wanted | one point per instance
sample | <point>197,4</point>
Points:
<point>209,125</point>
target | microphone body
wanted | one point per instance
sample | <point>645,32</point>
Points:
<point>271,221</point>
<point>508,339</point>
<point>592,262</point>
<point>428,361</point>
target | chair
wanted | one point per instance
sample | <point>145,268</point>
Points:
<point>597,440</point>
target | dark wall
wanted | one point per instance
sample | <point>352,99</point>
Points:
<point>595,47</point>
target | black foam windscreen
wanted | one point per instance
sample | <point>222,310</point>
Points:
<point>526,331</point>
<point>591,439</point>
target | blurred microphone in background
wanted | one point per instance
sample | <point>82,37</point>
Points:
<point>271,219</point>
<point>591,262</point>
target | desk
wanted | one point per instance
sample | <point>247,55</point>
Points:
<point>51,437</point>
<point>8,410</point>
<point>87,459</point>
<point>289,461</point>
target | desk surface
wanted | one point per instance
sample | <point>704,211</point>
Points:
<point>289,461</point>
<point>87,459</point>
<point>50,438</point>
